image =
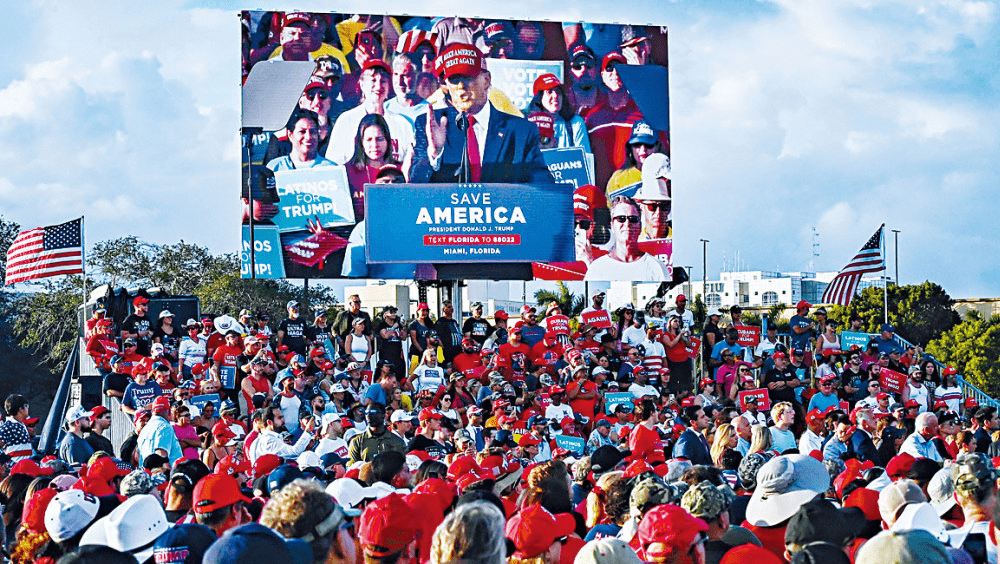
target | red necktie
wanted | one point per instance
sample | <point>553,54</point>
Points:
<point>475,161</point>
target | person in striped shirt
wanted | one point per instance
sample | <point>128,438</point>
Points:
<point>13,432</point>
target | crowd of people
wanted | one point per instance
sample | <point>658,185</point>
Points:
<point>413,100</point>
<point>487,441</point>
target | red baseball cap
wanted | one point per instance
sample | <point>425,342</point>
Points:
<point>911,403</point>
<point>949,370</point>
<point>814,415</point>
<point>534,529</point>
<point>229,466</point>
<point>528,440</point>
<point>671,527</point>
<point>222,432</point>
<point>377,64</point>
<point>881,395</point>
<point>97,411</point>
<point>547,81</point>
<point>140,300</point>
<point>971,402</point>
<point>612,56</point>
<point>161,403</point>
<point>780,354</point>
<point>899,465</point>
<point>31,468</point>
<point>500,314</point>
<point>216,491</point>
<point>297,18</point>
<point>687,401</point>
<point>462,465</point>
<point>460,59</point>
<point>635,468</point>
<point>802,304</point>
<point>867,501</point>
<point>388,523</point>
<point>423,305</point>
<point>556,390</point>
<point>429,413</point>
<point>265,463</point>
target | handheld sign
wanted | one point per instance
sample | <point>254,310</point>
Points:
<point>615,399</point>
<point>568,165</point>
<point>694,347</point>
<point>848,338</point>
<point>749,335</point>
<point>227,375</point>
<point>201,400</point>
<point>573,444</point>
<point>558,324</point>
<point>600,319</point>
<point>763,401</point>
<point>892,381</point>
<point>321,193</point>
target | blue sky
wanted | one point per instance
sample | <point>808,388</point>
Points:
<point>787,115</point>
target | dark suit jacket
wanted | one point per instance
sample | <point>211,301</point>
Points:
<point>691,447</point>
<point>863,447</point>
<point>512,151</point>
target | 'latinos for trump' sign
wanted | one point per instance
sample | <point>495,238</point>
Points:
<point>319,194</point>
<point>459,223</point>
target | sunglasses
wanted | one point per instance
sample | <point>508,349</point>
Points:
<point>317,94</point>
<point>633,219</point>
<point>583,223</point>
<point>654,206</point>
<point>581,66</point>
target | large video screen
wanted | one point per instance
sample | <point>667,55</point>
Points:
<point>447,147</point>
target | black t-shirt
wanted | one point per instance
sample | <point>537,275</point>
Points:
<point>784,394</point>
<point>390,349</point>
<point>170,342</point>
<point>451,336</point>
<point>100,442</point>
<point>430,446</point>
<point>345,323</point>
<point>136,324</point>
<point>479,329</point>
<point>316,333</point>
<point>712,328</point>
<point>295,334</point>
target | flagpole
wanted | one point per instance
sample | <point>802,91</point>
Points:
<point>885,284</point>
<point>83,255</point>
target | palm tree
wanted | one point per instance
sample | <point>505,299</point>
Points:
<point>570,304</point>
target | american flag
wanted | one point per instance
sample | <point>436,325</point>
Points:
<point>46,251</point>
<point>842,288</point>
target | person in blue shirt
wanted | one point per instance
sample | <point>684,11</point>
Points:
<point>729,343</point>
<point>827,396</point>
<point>886,341</point>
<point>802,328</point>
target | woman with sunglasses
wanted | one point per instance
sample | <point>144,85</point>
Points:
<point>643,142</point>
<point>446,406</point>
<point>625,260</point>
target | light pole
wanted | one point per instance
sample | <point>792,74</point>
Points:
<point>704,272</point>
<point>895,233</point>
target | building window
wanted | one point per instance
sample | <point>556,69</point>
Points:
<point>713,300</point>
<point>769,298</point>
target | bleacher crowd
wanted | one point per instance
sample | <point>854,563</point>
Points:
<point>490,440</point>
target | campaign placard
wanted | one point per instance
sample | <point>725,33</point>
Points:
<point>848,338</point>
<point>892,381</point>
<point>515,77</point>
<point>463,223</point>
<point>599,319</point>
<point>575,445</point>
<point>227,375</point>
<point>749,335</point>
<point>201,400</point>
<point>267,252</point>
<point>618,398</point>
<point>763,400</point>
<point>568,165</point>
<point>694,349</point>
<point>558,324</point>
<point>319,194</point>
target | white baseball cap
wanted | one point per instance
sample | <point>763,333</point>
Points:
<point>131,527</point>
<point>70,512</point>
<point>76,413</point>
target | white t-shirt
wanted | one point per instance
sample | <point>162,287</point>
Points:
<point>341,147</point>
<point>646,269</point>
<point>428,378</point>
<point>632,335</point>
<point>638,391</point>
<point>192,352</point>
<point>327,445</point>
<point>556,413</point>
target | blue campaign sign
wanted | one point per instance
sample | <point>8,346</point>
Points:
<point>201,400</point>
<point>318,194</point>
<point>616,398</point>
<point>568,165</point>
<point>576,445</point>
<point>848,338</point>
<point>469,223</point>
<point>515,78</point>
<point>227,375</point>
<point>267,252</point>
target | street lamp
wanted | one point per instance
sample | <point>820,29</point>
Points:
<point>704,271</point>
<point>896,236</point>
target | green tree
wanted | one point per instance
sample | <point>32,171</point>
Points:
<point>699,311</point>
<point>920,313</point>
<point>46,321</point>
<point>123,261</point>
<point>776,314</point>
<point>570,304</point>
<point>973,348</point>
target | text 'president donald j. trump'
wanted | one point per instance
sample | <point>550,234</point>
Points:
<point>499,147</point>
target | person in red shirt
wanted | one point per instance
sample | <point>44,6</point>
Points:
<point>132,358</point>
<point>582,393</point>
<point>99,315</point>
<point>587,342</point>
<point>101,344</point>
<point>547,352</point>
<point>469,359</point>
<point>644,440</point>
<point>225,358</point>
<point>514,355</point>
